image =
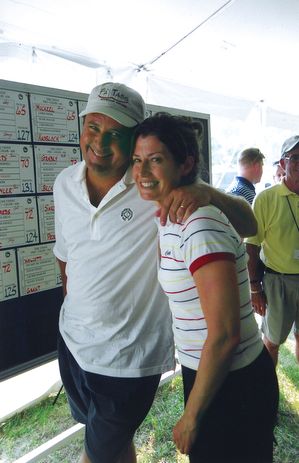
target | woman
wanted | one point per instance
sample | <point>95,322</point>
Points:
<point>230,385</point>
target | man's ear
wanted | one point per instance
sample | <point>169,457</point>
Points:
<point>282,163</point>
<point>187,166</point>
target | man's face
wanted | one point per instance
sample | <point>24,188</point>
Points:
<point>290,164</point>
<point>257,169</point>
<point>105,145</point>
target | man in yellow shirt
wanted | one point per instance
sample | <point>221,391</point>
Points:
<point>274,254</point>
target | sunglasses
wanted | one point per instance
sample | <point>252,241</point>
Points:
<point>294,158</point>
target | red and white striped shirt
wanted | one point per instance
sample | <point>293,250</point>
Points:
<point>206,236</point>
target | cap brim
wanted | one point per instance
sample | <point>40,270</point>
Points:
<point>123,119</point>
<point>289,147</point>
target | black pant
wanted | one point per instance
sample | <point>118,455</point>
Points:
<point>111,408</point>
<point>238,425</point>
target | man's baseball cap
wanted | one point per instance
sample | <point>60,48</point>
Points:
<point>121,103</point>
<point>289,144</point>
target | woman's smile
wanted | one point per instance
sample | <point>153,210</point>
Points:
<point>154,169</point>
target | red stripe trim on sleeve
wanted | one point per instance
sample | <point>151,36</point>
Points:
<point>201,261</point>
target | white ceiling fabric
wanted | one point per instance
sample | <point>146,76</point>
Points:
<point>241,52</point>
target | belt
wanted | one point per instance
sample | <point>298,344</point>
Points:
<point>270,270</point>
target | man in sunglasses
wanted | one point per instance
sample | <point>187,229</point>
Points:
<point>274,273</point>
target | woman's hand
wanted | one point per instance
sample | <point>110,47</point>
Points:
<point>184,434</point>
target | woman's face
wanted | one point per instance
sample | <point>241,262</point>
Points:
<point>154,169</point>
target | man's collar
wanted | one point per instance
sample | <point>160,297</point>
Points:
<point>284,190</point>
<point>80,173</point>
<point>245,181</point>
<point>127,178</point>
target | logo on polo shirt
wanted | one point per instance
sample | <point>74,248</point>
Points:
<point>126,214</point>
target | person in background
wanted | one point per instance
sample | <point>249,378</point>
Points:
<point>274,272</point>
<point>278,172</point>
<point>250,171</point>
<point>230,385</point>
<point>116,338</point>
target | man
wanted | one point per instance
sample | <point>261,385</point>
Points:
<point>116,335</point>
<point>275,294</point>
<point>250,171</point>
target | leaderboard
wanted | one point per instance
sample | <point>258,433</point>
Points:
<point>39,136</point>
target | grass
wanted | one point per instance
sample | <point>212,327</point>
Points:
<point>35,425</point>
<point>154,438</point>
<point>287,431</point>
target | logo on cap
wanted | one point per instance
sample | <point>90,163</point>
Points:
<point>112,94</point>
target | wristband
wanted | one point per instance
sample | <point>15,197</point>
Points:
<point>256,292</point>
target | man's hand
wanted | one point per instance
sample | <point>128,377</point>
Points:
<point>184,434</point>
<point>183,201</point>
<point>256,272</point>
<point>259,302</point>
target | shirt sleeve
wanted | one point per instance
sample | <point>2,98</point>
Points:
<point>258,207</point>
<point>59,250</point>
<point>206,237</point>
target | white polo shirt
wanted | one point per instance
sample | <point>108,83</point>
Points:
<point>115,318</point>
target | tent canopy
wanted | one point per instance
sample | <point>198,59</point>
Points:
<point>222,56</point>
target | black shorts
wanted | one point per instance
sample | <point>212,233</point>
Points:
<point>111,408</point>
<point>238,425</point>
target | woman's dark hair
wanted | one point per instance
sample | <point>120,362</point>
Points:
<point>179,135</point>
